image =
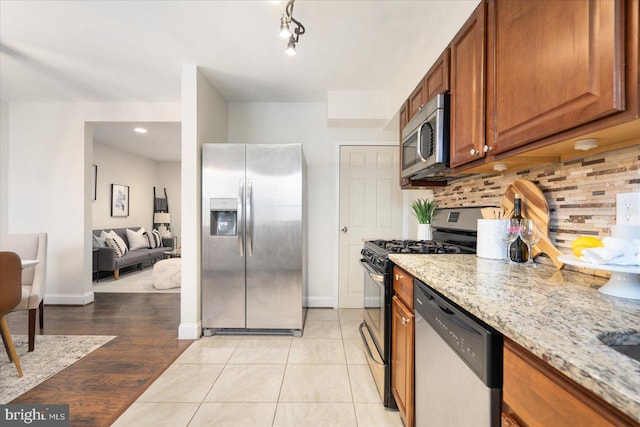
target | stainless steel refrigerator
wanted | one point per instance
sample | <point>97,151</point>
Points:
<point>253,238</point>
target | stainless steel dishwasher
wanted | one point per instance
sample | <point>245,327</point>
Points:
<point>458,364</point>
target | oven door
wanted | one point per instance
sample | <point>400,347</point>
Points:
<point>375,332</point>
<point>374,307</point>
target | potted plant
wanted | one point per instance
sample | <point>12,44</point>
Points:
<point>423,210</point>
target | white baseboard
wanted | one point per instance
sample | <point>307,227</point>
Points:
<point>69,299</point>
<point>321,302</point>
<point>190,331</point>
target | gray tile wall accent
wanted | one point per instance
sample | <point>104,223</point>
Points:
<point>581,193</point>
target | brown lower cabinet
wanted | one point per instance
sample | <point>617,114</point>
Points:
<point>402,345</point>
<point>535,394</point>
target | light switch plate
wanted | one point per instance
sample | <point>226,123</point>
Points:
<point>628,209</point>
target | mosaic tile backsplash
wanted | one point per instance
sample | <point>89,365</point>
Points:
<point>581,193</point>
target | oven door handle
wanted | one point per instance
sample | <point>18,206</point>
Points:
<point>366,345</point>
<point>375,276</point>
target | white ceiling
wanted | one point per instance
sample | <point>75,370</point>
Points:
<point>124,51</point>
<point>160,143</point>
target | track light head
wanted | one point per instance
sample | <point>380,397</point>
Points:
<point>284,27</point>
<point>291,47</point>
<point>285,31</point>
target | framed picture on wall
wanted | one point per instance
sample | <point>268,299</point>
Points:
<point>95,182</point>
<point>119,200</point>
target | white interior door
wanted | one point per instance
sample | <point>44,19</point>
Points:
<point>370,208</point>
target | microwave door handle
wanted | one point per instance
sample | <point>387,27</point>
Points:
<point>419,145</point>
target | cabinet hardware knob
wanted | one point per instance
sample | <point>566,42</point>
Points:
<point>487,148</point>
<point>397,277</point>
<point>474,152</point>
<point>404,320</point>
<point>344,229</point>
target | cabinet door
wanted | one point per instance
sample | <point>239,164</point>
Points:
<point>551,66</point>
<point>437,79</point>
<point>402,368</point>
<point>404,118</point>
<point>467,90</point>
<point>417,99</point>
<point>536,395</point>
<point>403,286</point>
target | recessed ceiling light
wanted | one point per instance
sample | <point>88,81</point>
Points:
<point>140,130</point>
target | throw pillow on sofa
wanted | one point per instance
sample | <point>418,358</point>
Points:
<point>114,241</point>
<point>98,242</point>
<point>119,248</point>
<point>154,239</point>
<point>137,239</point>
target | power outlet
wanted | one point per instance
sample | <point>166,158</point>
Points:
<point>628,209</point>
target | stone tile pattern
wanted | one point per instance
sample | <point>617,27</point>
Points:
<point>557,315</point>
<point>581,193</point>
<point>319,379</point>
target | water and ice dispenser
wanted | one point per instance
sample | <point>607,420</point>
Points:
<point>224,217</point>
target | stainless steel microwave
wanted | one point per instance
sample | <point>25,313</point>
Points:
<point>425,140</point>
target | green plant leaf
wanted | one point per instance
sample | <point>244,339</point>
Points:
<point>423,210</point>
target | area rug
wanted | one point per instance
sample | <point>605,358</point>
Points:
<point>133,282</point>
<point>52,354</point>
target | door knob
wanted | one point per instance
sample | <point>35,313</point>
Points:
<point>344,229</point>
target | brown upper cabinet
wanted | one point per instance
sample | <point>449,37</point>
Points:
<point>467,90</point>
<point>404,116</point>
<point>434,82</point>
<point>551,66</point>
<point>529,78</point>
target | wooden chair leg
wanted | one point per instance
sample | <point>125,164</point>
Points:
<point>41,314</point>
<point>116,274</point>
<point>6,345</point>
<point>11,350</point>
<point>32,328</point>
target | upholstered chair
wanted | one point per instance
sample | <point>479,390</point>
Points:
<point>30,246</point>
<point>10,294</point>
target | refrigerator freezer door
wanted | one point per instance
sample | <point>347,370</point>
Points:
<point>223,263</point>
<point>274,226</point>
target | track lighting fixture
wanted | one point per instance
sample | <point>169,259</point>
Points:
<point>285,31</point>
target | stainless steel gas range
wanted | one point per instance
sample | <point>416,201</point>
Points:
<point>454,232</point>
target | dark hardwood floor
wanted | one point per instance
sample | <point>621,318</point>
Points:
<point>99,387</point>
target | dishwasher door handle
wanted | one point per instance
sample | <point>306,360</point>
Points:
<point>366,345</point>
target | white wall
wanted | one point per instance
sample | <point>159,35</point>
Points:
<point>4,165</point>
<point>141,174</point>
<point>169,177</point>
<point>306,123</point>
<point>429,46</point>
<point>205,120</point>
<point>49,182</point>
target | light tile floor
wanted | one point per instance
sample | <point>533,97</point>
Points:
<point>320,379</point>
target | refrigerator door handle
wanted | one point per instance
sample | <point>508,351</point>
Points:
<point>249,217</point>
<point>239,219</point>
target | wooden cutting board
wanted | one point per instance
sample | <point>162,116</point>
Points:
<point>535,207</point>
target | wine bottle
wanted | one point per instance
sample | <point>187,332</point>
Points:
<point>518,251</point>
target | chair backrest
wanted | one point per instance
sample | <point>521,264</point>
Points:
<point>29,246</point>
<point>10,287</point>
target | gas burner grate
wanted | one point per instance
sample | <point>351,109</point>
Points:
<point>416,247</point>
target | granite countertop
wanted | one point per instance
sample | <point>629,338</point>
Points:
<point>557,315</point>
